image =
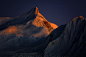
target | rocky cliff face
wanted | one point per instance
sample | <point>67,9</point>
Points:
<point>72,41</point>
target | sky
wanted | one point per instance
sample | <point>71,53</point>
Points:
<point>56,11</point>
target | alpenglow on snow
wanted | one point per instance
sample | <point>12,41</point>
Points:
<point>24,33</point>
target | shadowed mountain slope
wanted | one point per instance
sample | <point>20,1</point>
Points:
<point>72,42</point>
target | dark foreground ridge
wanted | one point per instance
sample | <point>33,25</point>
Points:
<point>72,41</point>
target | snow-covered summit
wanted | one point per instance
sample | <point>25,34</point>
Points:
<point>33,11</point>
<point>25,31</point>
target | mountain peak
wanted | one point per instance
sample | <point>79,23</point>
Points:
<point>81,17</point>
<point>33,11</point>
<point>36,10</point>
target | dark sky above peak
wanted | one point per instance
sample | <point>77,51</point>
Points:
<point>56,11</point>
